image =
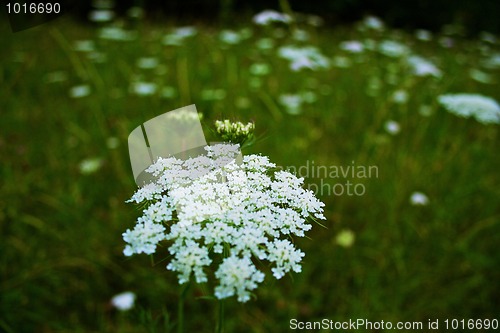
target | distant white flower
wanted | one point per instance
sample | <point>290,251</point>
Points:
<point>423,67</point>
<point>230,37</point>
<point>147,62</point>
<point>84,45</point>
<point>353,46</point>
<point>178,35</point>
<point>124,301</point>
<point>488,37</point>
<point>101,15</point>
<point>117,34</point>
<point>423,35</point>
<point>292,103</point>
<point>419,199</point>
<point>90,165</point>
<point>268,16</point>
<point>374,23</point>
<point>481,76</point>
<point>144,88</point>
<point>304,57</point>
<point>400,96</point>
<point>485,109</point>
<point>393,49</point>
<point>492,62</point>
<point>392,127</point>
<point>222,205</point>
<point>79,91</point>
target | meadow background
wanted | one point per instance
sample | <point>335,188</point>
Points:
<point>73,89</point>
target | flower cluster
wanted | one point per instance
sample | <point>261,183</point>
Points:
<point>304,57</point>
<point>214,210</point>
<point>234,132</point>
<point>485,109</point>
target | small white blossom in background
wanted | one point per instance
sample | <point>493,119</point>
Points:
<point>393,49</point>
<point>400,96</point>
<point>178,35</point>
<point>423,67</point>
<point>304,57</point>
<point>345,238</point>
<point>124,301</point>
<point>79,91</point>
<point>90,165</point>
<point>269,16</point>
<point>230,37</point>
<point>419,199</point>
<point>493,62</point>
<point>481,76</point>
<point>292,103</point>
<point>423,35</point>
<point>242,209</point>
<point>101,15</point>
<point>488,37</point>
<point>484,109</point>
<point>143,88</point>
<point>84,45</point>
<point>373,23</point>
<point>392,127</point>
<point>353,46</point>
<point>147,62</point>
<point>117,34</point>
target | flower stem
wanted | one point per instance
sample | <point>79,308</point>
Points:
<point>180,309</point>
<point>220,324</point>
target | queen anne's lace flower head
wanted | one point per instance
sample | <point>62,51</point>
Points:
<point>485,109</point>
<point>211,206</point>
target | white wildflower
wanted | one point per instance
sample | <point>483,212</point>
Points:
<point>124,301</point>
<point>304,57</point>
<point>353,46</point>
<point>143,88</point>
<point>419,199</point>
<point>222,206</point>
<point>268,16</point>
<point>392,127</point>
<point>423,67</point>
<point>393,49</point>
<point>90,165</point>
<point>485,109</point>
<point>79,91</point>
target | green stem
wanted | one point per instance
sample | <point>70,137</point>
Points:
<point>220,324</point>
<point>180,309</point>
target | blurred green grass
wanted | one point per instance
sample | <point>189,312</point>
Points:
<point>61,248</point>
